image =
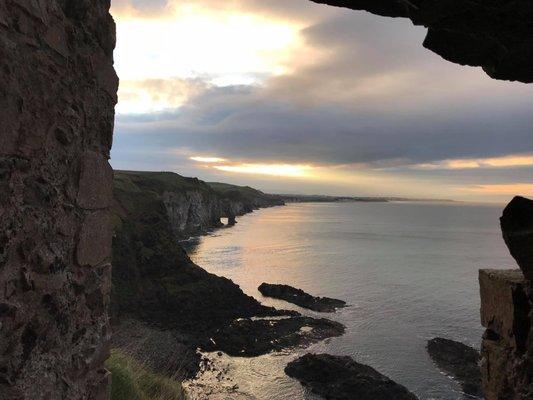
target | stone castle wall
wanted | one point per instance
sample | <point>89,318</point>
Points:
<point>57,97</point>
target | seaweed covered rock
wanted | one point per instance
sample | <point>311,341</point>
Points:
<point>341,378</point>
<point>460,361</point>
<point>300,298</point>
<point>254,337</point>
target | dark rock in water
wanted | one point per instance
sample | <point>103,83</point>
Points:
<point>458,360</point>
<point>254,337</point>
<point>300,298</point>
<point>341,378</point>
<point>517,229</point>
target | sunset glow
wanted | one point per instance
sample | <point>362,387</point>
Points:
<point>495,162</point>
<point>208,160</point>
<point>510,189</point>
<point>190,41</point>
<point>285,170</point>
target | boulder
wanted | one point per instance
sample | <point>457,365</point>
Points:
<point>247,337</point>
<point>460,361</point>
<point>517,229</point>
<point>300,298</point>
<point>341,378</point>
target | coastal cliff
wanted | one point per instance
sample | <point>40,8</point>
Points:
<point>155,284</point>
<point>153,278</point>
<point>192,206</point>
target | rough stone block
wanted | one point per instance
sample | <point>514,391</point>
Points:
<point>55,181</point>
<point>96,182</point>
<point>493,365</point>
<point>106,75</point>
<point>517,229</point>
<point>94,244</point>
<point>501,312</point>
<point>55,37</point>
<point>507,348</point>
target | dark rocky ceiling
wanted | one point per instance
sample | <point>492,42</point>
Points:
<point>494,34</point>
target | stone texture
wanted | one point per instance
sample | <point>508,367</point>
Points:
<point>96,235</point>
<point>56,107</point>
<point>499,312</point>
<point>496,35</point>
<point>507,346</point>
<point>517,229</point>
<point>95,190</point>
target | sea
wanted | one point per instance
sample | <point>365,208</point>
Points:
<point>408,270</point>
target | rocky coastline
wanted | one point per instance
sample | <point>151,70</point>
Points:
<point>165,307</point>
<point>158,290</point>
<point>192,206</point>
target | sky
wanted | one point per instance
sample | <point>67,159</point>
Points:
<point>296,97</point>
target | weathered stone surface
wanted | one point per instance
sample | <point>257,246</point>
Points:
<point>300,298</point>
<point>507,346</point>
<point>95,242</point>
<point>496,35</point>
<point>460,361</point>
<point>517,229</point>
<point>95,190</point>
<point>341,378</point>
<point>499,311</point>
<point>53,111</point>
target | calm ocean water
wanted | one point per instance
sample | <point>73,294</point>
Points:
<point>408,271</point>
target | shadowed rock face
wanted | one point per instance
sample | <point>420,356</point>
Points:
<point>517,229</point>
<point>459,360</point>
<point>58,91</point>
<point>496,35</point>
<point>341,378</point>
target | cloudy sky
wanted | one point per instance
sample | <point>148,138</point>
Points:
<point>295,97</point>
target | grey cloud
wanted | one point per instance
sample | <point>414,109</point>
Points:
<point>239,123</point>
<point>324,114</point>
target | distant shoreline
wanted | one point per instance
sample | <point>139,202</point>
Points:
<point>296,198</point>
